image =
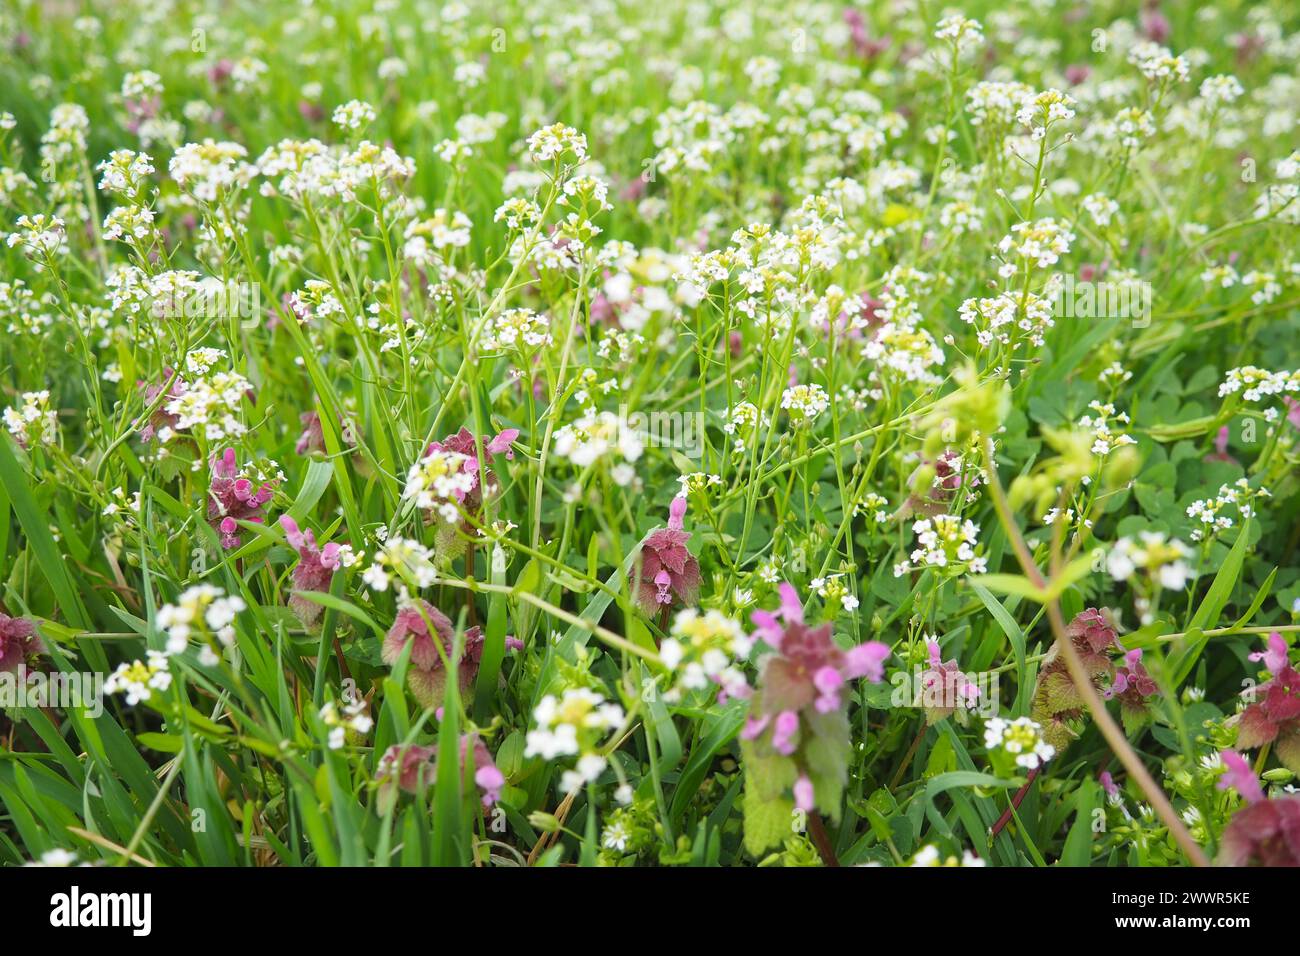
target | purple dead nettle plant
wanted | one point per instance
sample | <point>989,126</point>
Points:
<point>1273,715</point>
<point>427,629</point>
<point>414,768</point>
<point>670,574</point>
<point>795,743</point>
<point>315,568</point>
<point>424,627</point>
<point>19,643</point>
<point>161,423</point>
<point>1263,833</point>
<point>232,498</point>
<point>479,482</point>
<point>944,687</point>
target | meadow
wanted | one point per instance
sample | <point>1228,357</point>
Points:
<point>682,434</point>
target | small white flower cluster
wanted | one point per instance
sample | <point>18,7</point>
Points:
<point>1221,90</point>
<point>805,403</point>
<point>211,402</point>
<point>1041,243</point>
<point>1105,438</point>
<point>353,115</point>
<point>353,717</point>
<point>518,328</point>
<point>904,351</point>
<point>1101,208</point>
<point>425,239</point>
<point>945,541</point>
<point>205,608</point>
<point>408,560</point>
<point>1256,384</point>
<point>1209,512</point>
<point>573,725</point>
<point>929,855</point>
<point>996,104</point>
<point>33,423</point>
<point>998,319</point>
<point>597,435</point>
<point>139,679</point>
<point>1021,738</point>
<point>697,482</point>
<point>1042,110</point>
<point>39,236</point>
<point>125,172</point>
<point>743,422</point>
<point>1164,560</point>
<point>701,651</point>
<point>873,507</point>
<point>209,170</point>
<point>964,33</point>
<point>833,590</point>
<point>439,481</point>
<point>1156,62</point>
<point>556,142</point>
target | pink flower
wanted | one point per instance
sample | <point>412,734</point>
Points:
<point>808,669</point>
<point>315,570</point>
<point>1220,452</point>
<point>19,642</point>
<point>1155,24</point>
<point>784,730</point>
<point>803,794</point>
<point>771,624</point>
<point>1132,683</point>
<point>1274,718</point>
<point>312,439</point>
<point>423,626</point>
<point>160,417</point>
<point>1266,833</point>
<point>944,687</point>
<point>669,573</point>
<point>1239,777</point>
<point>415,767</point>
<point>1076,73</point>
<point>1293,411</point>
<point>1108,784</point>
<point>463,443</point>
<point>1275,656</point>
<point>232,498</point>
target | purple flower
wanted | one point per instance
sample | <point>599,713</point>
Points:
<point>1275,655</point>
<point>423,626</point>
<point>315,570</point>
<point>1220,452</point>
<point>19,642</point>
<point>413,768</point>
<point>1274,718</point>
<point>312,439</point>
<point>1239,777</point>
<point>463,443</point>
<point>798,712</point>
<point>803,794</point>
<point>808,669</point>
<point>771,624</point>
<point>1132,683</point>
<point>1108,784</point>
<point>233,498</point>
<point>1293,411</point>
<point>161,418</point>
<point>944,687</point>
<point>669,573</point>
<point>1265,833</point>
